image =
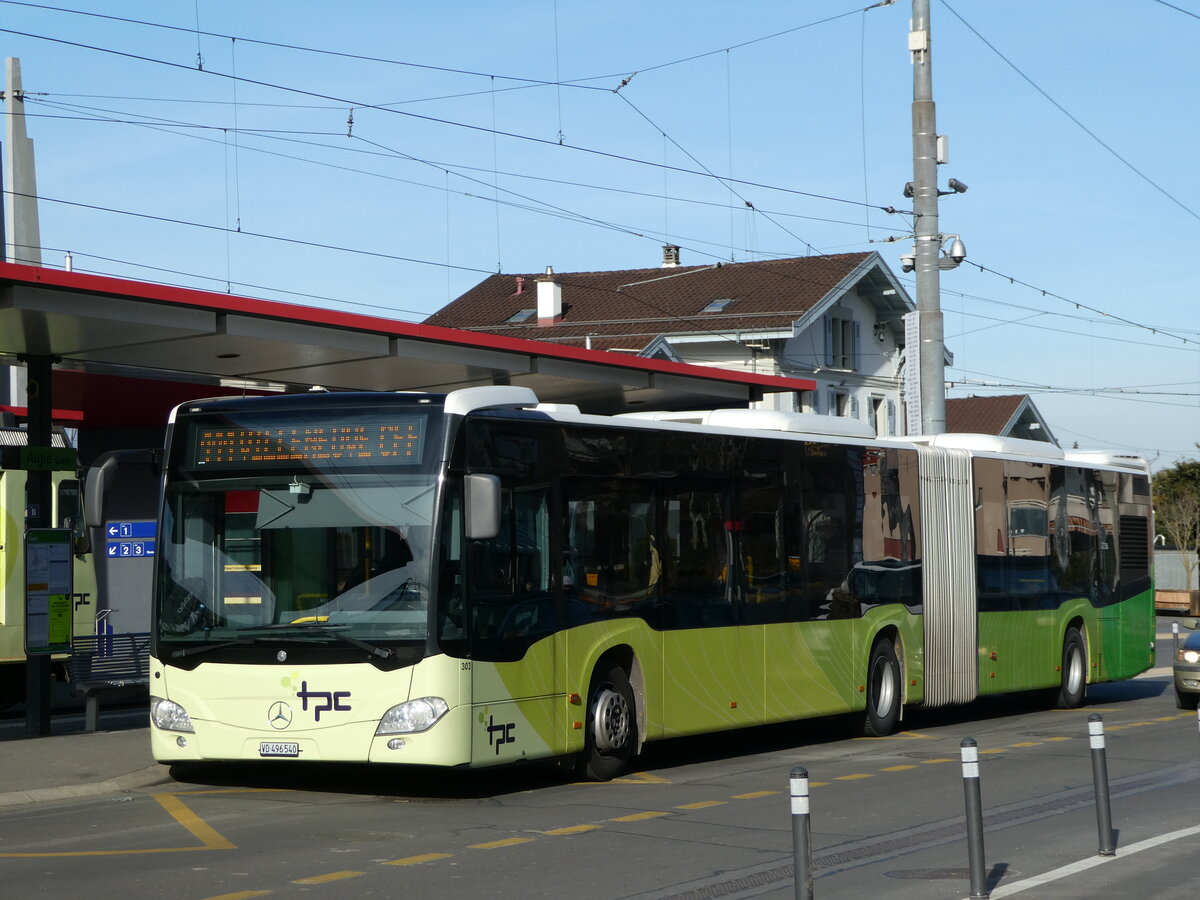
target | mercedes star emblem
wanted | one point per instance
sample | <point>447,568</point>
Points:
<point>279,715</point>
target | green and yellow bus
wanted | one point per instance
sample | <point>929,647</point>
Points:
<point>66,512</point>
<point>476,579</point>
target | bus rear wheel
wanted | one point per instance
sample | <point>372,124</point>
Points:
<point>1073,689</point>
<point>883,690</point>
<point>610,737</point>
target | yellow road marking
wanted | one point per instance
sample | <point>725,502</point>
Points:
<point>422,858</point>
<point>103,852</point>
<point>898,768</point>
<point>1060,738</point>
<point>573,829</point>
<point>204,832</point>
<point>641,778</point>
<point>240,895</point>
<point>495,845</point>
<point>1165,719</point>
<point>637,817</point>
<point>208,836</point>
<point>993,750</point>
<point>754,795</point>
<point>813,784</point>
<point>899,736</point>
<point>703,804</point>
<point>854,777</point>
<point>324,879</point>
<point>1027,744</point>
<point>930,762</point>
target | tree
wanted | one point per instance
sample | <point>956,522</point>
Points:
<point>1177,510</point>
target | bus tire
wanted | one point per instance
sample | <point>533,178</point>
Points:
<point>884,693</point>
<point>1073,689</point>
<point>610,735</point>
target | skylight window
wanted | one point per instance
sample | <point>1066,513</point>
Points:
<point>521,316</point>
<point>717,306</point>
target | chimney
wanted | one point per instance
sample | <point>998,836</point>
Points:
<point>670,256</point>
<point>549,299</point>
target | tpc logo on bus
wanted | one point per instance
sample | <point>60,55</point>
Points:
<point>330,701</point>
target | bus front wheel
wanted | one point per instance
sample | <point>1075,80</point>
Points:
<point>883,690</point>
<point>611,727</point>
<point>1073,689</point>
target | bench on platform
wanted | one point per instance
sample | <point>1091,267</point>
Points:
<point>107,662</point>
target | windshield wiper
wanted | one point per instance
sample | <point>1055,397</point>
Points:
<point>326,630</point>
<point>204,648</point>
<point>319,627</point>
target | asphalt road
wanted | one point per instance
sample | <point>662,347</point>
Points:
<point>699,818</point>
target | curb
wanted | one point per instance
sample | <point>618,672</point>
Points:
<point>147,777</point>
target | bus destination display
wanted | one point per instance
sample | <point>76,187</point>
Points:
<point>361,442</point>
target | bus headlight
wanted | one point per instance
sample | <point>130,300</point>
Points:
<point>169,715</point>
<point>413,716</point>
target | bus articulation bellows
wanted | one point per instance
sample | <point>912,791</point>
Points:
<point>477,579</point>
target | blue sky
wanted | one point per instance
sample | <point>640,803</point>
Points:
<point>1072,123</point>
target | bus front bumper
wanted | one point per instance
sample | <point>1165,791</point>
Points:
<point>447,743</point>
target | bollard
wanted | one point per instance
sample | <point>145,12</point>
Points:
<point>970,770</point>
<point>1174,641</point>
<point>1100,775</point>
<point>801,838</point>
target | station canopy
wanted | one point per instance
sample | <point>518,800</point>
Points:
<point>126,351</point>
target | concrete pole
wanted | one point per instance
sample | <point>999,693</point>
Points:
<point>23,241</point>
<point>930,351</point>
<point>20,234</point>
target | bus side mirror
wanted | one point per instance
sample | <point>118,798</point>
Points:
<point>93,497</point>
<point>482,504</point>
<point>81,542</point>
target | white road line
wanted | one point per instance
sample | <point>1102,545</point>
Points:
<point>1085,864</point>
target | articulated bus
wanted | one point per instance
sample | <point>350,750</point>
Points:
<point>66,512</point>
<point>476,579</point>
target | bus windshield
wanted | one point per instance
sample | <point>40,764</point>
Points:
<point>293,547</point>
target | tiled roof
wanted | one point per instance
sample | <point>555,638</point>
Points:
<point>982,415</point>
<point>626,309</point>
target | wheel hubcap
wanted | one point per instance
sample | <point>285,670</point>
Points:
<point>883,688</point>
<point>1075,670</point>
<point>610,721</point>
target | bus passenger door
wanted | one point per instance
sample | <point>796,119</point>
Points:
<point>712,658</point>
<point>514,633</point>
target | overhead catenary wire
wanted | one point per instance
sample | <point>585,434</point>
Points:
<point>1078,304</point>
<point>359,104</point>
<point>116,117</point>
<point>1095,137</point>
<point>1115,323</point>
<point>530,82</point>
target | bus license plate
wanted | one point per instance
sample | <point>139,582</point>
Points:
<point>276,748</point>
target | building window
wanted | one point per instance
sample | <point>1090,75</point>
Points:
<point>841,404</point>
<point>521,316</point>
<point>717,306</point>
<point>841,343</point>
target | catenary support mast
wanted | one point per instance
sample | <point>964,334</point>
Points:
<point>930,349</point>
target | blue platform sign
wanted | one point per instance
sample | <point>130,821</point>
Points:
<point>130,539</point>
